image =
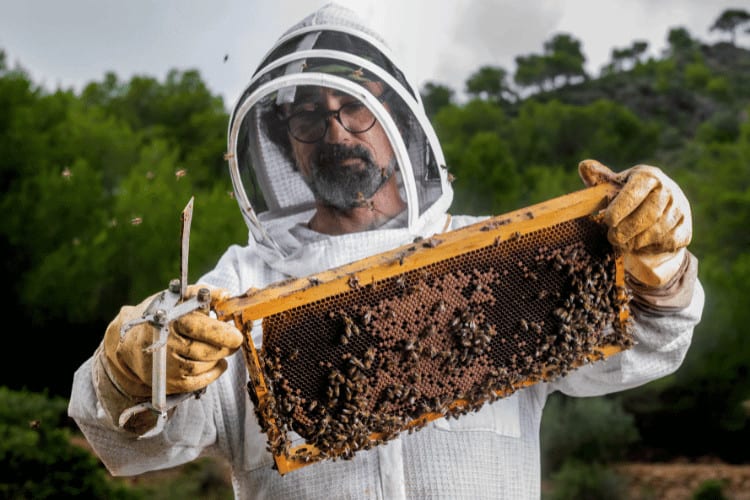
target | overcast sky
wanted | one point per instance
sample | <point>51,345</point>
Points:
<point>68,43</point>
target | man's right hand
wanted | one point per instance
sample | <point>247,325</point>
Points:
<point>196,348</point>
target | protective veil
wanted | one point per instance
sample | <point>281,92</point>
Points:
<point>493,453</point>
<point>330,49</point>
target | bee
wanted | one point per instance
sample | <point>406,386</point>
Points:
<point>361,201</point>
<point>439,307</point>
<point>367,317</point>
<point>431,243</point>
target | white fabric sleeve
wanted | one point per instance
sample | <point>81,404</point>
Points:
<point>189,431</point>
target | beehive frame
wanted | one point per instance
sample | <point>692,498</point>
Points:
<point>348,354</point>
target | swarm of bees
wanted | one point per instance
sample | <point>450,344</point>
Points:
<point>353,371</point>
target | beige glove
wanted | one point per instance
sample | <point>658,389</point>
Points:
<point>649,220</point>
<point>196,349</point>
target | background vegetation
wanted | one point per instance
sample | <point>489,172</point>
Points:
<point>93,182</point>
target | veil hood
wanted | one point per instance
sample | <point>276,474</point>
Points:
<point>332,48</point>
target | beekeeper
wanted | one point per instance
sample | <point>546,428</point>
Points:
<point>335,138</point>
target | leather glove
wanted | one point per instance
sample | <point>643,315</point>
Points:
<point>196,348</point>
<point>649,220</point>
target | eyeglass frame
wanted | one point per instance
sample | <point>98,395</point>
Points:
<point>326,115</point>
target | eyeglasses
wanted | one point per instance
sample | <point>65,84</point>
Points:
<point>310,126</point>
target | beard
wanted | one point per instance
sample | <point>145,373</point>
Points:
<point>343,185</point>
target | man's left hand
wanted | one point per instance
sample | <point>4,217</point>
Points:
<point>649,220</point>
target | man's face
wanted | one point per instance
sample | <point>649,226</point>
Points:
<point>344,167</point>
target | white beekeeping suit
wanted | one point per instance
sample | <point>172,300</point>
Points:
<point>493,453</point>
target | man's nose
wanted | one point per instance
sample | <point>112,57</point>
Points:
<point>335,132</point>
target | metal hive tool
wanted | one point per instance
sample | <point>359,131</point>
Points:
<point>354,356</point>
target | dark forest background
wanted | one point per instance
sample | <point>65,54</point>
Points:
<point>93,183</point>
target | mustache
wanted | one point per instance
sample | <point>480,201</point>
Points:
<point>332,154</point>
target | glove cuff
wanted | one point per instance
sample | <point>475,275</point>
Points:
<point>655,270</point>
<point>674,295</point>
<point>114,399</point>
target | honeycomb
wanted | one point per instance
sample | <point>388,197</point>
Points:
<point>355,369</point>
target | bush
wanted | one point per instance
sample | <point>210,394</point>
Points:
<point>587,429</point>
<point>711,489</point>
<point>579,481</point>
<point>37,459</point>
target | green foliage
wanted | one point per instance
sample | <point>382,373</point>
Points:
<point>582,481</point>
<point>533,71</point>
<point>627,57</point>
<point>203,478</point>
<point>489,170</point>
<point>40,460</point>
<point>554,133</point>
<point>697,76</point>
<point>490,83</point>
<point>93,187</point>
<point>711,489</point>
<point>730,21</point>
<point>565,57</point>
<point>681,44</point>
<point>435,97</point>
<point>562,59</point>
<point>37,457</point>
<point>585,429</point>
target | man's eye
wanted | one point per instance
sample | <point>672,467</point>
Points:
<point>355,105</point>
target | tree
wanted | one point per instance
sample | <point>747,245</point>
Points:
<point>562,58</point>
<point>638,48</point>
<point>565,57</point>
<point>621,58</point>
<point>729,21</point>
<point>435,97</point>
<point>532,71</point>
<point>681,44</point>
<point>491,83</point>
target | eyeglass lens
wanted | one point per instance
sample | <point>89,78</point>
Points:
<point>311,125</point>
